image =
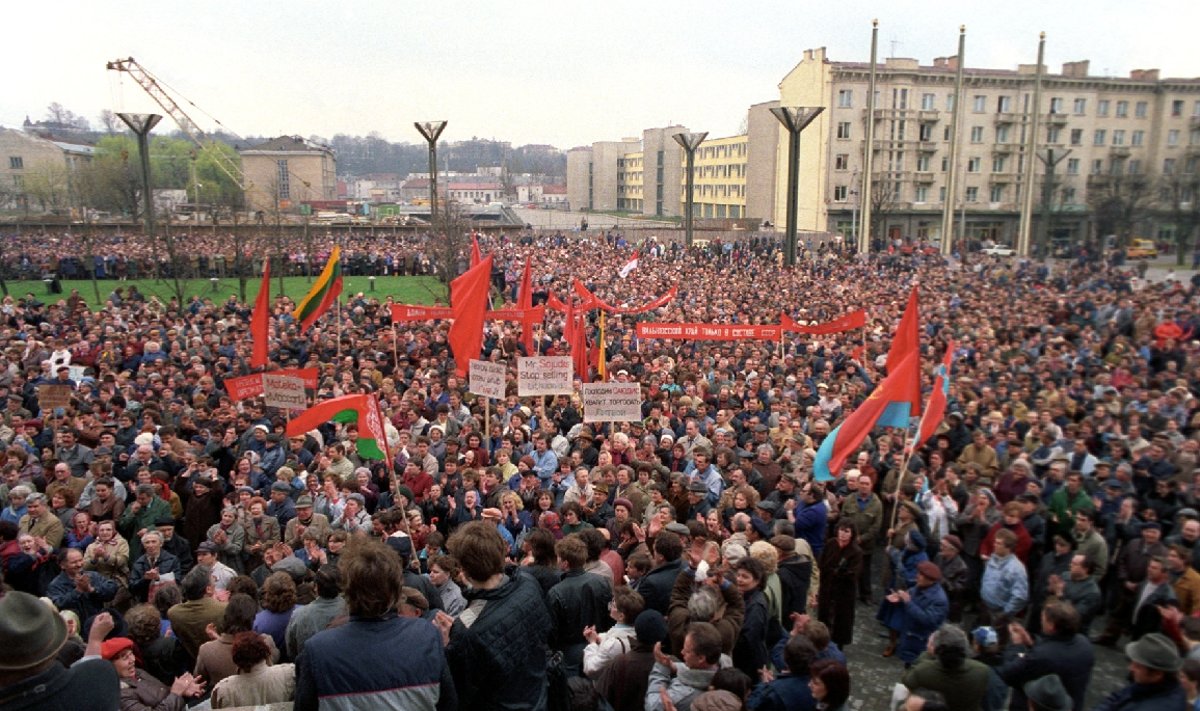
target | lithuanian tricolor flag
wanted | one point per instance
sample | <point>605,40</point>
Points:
<point>323,294</point>
<point>360,409</point>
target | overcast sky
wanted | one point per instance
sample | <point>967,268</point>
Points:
<point>565,73</point>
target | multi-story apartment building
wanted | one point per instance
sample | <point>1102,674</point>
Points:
<point>39,173</point>
<point>284,172</point>
<point>1099,129</point>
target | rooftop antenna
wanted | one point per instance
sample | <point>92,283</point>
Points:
<point>894,43</point>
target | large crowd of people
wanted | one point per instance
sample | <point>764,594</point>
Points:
<point>188,550</point>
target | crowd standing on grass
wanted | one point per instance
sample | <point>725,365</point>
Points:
<point>525,559</point>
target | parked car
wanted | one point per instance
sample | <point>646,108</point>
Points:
<point>998,250</point>
<point>1141,249</point>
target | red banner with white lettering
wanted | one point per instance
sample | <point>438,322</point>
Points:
<point>708,331</point>
<point>248,386</point>
<point>405,313</point>
<point>594,301</point>
<point>847,322</point>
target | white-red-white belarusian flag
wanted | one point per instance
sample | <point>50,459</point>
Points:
<point>629,266</point>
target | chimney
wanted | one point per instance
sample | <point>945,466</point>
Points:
<point>940,63</point>
<point>1076,70</point>
<point>952,62</point>
<point>1144,74</point>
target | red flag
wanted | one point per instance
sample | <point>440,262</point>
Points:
<point>525,301</point>
<point>469,304</point>
<point>907,340</point>
<point>936,409</point>
<point>476,255</point>
<point>260,322</point>
<point>579,347</point>
<point>844,440</point>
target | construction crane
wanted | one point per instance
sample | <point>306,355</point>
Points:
<point>157,91</point>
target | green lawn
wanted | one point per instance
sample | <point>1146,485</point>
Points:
<point>405,289</point>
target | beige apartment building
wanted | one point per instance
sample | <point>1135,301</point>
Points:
<point>39,174</point>
<point>1101,129</point>
<point>285,172</point>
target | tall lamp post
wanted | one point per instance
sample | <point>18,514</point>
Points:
<point>141,124</point>
<point>689,142</point>
<point>794,119</point>
<point>431,130</point>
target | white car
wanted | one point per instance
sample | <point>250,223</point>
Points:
<point>998,251</point>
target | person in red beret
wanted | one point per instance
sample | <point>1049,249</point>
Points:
<point>142,692</point>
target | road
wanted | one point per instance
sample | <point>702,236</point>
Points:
<point>559,219</point>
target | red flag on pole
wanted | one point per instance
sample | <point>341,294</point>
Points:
<point>469,304</point>
<point>260,322</point>
<point>525,301</point>
<point>476,255</point>
<point>936,409</point>
<point>907,340</point>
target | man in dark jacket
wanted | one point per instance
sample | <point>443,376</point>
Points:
<point>795,576</point>
<point>655,587</point>
<point>1154,665</point>
<point>623,682</point>
<point>1061,650</point>
<point>342,661</point>
<point>496,648</point>
<point>579,600</point>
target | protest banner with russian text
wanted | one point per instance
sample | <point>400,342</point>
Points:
<point>612,402</point>
<point>246,386</point>
<point>284,391</point>
<point>487,379</point>
<point>544,375</point>
<point>708,331</point>
<point>407,313</point>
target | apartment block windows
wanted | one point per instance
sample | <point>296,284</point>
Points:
<point>1077,137</point>
<point>972,194</point>
<point>996,194</point>
<point>1139,137</point>
<point>843,129</point>
<point>1056,105</point>
<point>927,102</point>
<point>1177,108</point>
<point>284,180</point>
<point>973,164</point>
<point>1100,137</point>
<point>1097,167</point>
<point>1173,137</point>
<point>1102,107</point>
<point>1080,107</point>
<point>1053,134</point>
<point>1003,104</point>
<point>980,104</point>
<point>16,162</point>
<point>1118,137</point>
<point>950,102</point>
<point>845,98</point>
<point>1122,109</point>
<point>945,163</point>
<point>925,132</point>
<point>977,134</point>
<point>1072,166</point>
<point>899,98</point>
<point>841,161</point>
<point>998,164</point>
<point>1002,134</point>
<point>1168,166</point>
<point>1142,108</point>
<point>840,192</point>
<point>923,163</point>
<point>1068,196</point>
<point>921,194</point>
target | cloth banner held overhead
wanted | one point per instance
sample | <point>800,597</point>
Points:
<point>592,301</point>
<point>708,331</point>
<point>248,386</point>
<point>847,322</point>
<point>406,313</point>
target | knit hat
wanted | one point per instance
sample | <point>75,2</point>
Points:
<point>622,501</point>
<point>650,627</point>
<point>31,631</point>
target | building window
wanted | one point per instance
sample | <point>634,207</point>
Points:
<point>1056,105</point>
<point>942,194</point>
<point>899,98</point>
<point>921,194</point>
<point>1122,109</point>
<point>839,193</point>
<point>1173,137</point>
<point>1097,166</point>
<point>972,194</point>
<point>1118,137</point>
<point>1053,134</point>
<point>1139,137</point>
<point>843,129</point>
<point>927,102</point>
<point>284,178</point>
<point>998,164</point>
<point>1068,196</point>
<point>1080,107</point>
<point>1194,137</point>
<point>1100,138</point>
<point>946,134</point>
<point>845,98</point>
<point>923,163</point>
<point>925,132</point>
<point>977,134</point>
<point>980,104</point>
<point>1003,104</point>
<point>1168,166</point>
<point>1135,167</point>
<point>1002,134</point>
<point>1141,108</point>
<point>996,194</point>
<point>1077,137</point>
<point>973,164</point>
<point>1102,107</point>
<point>945,163</point>
<point>1072,166</point>
<point>1177,108</point>
<point>841,161</point>
<point>950,101</point>
<point>16,162</point>
<point>19,182</point>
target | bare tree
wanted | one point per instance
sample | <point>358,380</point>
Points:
<point>109,121</point>
<point>1119,202</point>
<point>884,191</point>
<point>1179,198</point>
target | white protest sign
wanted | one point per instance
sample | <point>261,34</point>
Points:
<point>284,391</point>
<point>544,375</point>
<point>77,372</point>
<point>612,402</point>
<point>487,379</point>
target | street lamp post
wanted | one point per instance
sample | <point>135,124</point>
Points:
<point>689,142</point>
<point>141,124</point>
<point>431,130</point>
<point>794,119</point>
